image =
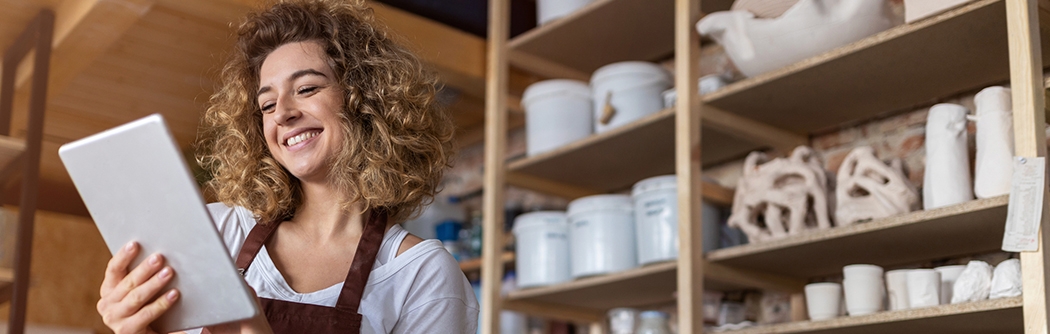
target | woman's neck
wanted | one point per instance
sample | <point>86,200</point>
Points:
<point>321,216</point>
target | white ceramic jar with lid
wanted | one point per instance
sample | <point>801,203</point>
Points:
<point>656,218</point>
<point>542,248</point>
<point>627,91</point>
<point>557,112</point>
<point>653,322</point>
<point>548,10</point>
<point>601,235</point>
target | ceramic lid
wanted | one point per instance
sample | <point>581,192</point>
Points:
<point>556,86</point>
<point>601,203</point>
<point>655,183</point>
<point>556,219</point>
<point>630,67</point>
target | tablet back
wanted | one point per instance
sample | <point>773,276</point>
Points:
<point>137,186</point>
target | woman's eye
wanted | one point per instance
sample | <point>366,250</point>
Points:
<point>307,90</point>
<point>267,107</point>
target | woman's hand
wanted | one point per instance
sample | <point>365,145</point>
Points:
<point>128,305</point>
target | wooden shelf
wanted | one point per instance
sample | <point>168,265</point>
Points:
<point>966,228</point>
<point>473,265</point>
<point>603,32</point>
<point>616,159</point>
<point>988,316</point>
<point>644,286</point>
<point>904,67</point>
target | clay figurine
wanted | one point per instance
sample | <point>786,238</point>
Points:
<point>781,197</point>
<point>869,189</point>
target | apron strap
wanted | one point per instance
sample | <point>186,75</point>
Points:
<point>364,259</point>
<point>253,243</point>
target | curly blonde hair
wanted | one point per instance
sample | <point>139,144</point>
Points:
<point>398,143</point>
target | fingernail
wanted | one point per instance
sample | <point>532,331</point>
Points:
<point>130,246</point>
<point>172,295</point>
<point>165,273</point>
<point>154,259</point>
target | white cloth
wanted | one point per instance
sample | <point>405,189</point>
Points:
<point>420,291</point>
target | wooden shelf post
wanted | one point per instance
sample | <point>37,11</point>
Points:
<point>1022,24</point>
<point>495,169</point>
<point>687,168</point>
<point>37,36</point>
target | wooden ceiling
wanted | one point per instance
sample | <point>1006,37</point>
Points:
<point>118,60</point>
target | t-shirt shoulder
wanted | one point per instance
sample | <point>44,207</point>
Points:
<point>436,276</point>
<point>233,224</point>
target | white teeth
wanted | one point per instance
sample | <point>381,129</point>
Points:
<point>301,137</point>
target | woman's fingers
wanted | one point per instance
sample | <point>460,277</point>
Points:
<point>147,292</point>
<point>118,267</point>
<point>138,276</point>
<point>152,311</point>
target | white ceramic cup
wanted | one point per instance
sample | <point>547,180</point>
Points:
<point>949,274</point>
<point>897,289</point>
<point>864,288</point>
<point>924,288</point>
<point>823,300</point>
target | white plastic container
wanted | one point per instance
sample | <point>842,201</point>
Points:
<point>547,10</point>
<point>557,112</point>
<point>542,248</point>
<point>601,235</point>
<point>633,88</point>
<point>656,218</point>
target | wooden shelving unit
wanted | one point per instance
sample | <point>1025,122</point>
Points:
<point>12,150</point>
<point>904,67</point>
<point>987,316</point>
<point>474,265</point>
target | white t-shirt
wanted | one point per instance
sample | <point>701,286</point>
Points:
<point>420,291</point>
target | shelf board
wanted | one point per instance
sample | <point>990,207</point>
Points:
<point>648,285</point>
<point>604,32</point>
<point>644,286</point>
<point>903,67</point>
<point>967,228</point>
<point>616,159</point>
<point>473,265</point>
<point>988,316</point>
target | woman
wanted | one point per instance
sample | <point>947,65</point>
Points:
<point>323,135</point>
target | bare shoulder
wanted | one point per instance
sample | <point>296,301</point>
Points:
<point>409,242</point>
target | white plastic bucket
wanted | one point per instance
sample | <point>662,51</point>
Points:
<point>601,235</point>
<point>633,88</point>
<point>557,112</point>
<point>656,218</point>
<point>547,10</point>
<point>542,248</point>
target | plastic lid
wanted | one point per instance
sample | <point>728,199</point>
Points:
<point>601,202</point>
<point>655,183</point>
<point>539,219</point>
<point>623,67</point>
<point>653,315</point>
<point>559,86</point>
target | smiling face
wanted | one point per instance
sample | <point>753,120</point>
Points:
<point>300,100</point>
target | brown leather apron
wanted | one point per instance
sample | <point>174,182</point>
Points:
<point>292,317</point>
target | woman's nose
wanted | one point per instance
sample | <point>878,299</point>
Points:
<point>287,111</point>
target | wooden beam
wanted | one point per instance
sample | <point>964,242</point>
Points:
<point>548,187</point>
<point>546,68</point>
<point>1026,82</point>
<point>750,278</point>
<point>688,122</point>
<point>495,166</point>
<point>746,128</point>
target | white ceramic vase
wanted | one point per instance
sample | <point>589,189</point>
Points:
<point>808,28</point>
<point>995,142</point>
<point>947,178</point>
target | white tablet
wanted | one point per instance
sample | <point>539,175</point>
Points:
<point>137,186</point>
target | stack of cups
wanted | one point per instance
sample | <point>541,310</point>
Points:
<point>924,288</point>
<point>864,287</point>
<point>823,301</point>
<point>897,289</point>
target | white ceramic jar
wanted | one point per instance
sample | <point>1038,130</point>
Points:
<point>634,89</point>
<point>653,322</point>
<point>656,218</point>
<point>601,235</point>
<point>557,112</point>
<point>547,10</point>
<point>542,248</point>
